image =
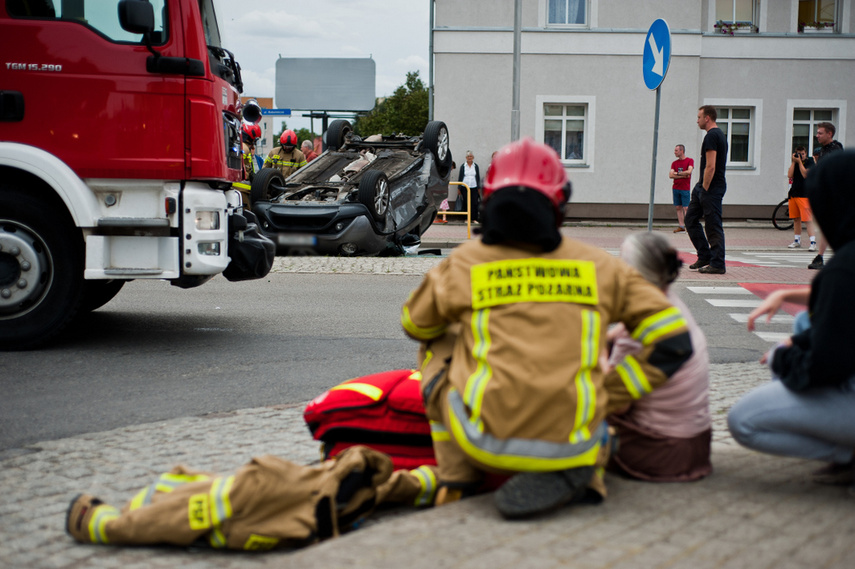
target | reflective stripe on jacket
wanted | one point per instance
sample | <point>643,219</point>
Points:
<point>287,162</point>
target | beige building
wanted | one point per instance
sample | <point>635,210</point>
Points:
<point>773,68</point>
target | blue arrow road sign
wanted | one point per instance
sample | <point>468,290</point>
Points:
<point>277,112</point>
<point>657,54</point>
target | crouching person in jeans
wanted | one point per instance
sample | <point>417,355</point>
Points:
<point>808,410</point>
<point>520,389</point>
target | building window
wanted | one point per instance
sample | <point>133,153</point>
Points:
<point>564,130</point>
<point>567,12</point>
<point>735,16</point>
<point>805,122</point>
<point>817,15</point>
<point>736,122</point>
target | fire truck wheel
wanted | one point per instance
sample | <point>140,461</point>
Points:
<point>98,293</point>
<point>267,184</point>
<point>41,269</point>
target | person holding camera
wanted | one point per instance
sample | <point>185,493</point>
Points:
<point>798,204</point>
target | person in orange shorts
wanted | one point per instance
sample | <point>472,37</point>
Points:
<point>798,204</point>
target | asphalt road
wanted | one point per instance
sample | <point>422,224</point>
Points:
<point>157,352</point>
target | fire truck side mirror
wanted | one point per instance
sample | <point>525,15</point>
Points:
<point>136,16</point>
<point>252,112</point>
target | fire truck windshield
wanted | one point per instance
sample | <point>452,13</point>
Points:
<point>209,23</point>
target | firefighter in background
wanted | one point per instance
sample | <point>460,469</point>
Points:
<point>514,334</point>
<point>287,157</point>
<point>249,134</point>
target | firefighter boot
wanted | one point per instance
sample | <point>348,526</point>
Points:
<point>531,493</point>
<point>86,518</point>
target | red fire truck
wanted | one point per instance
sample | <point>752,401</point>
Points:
<point>119,142</point>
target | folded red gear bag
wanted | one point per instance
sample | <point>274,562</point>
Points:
<point>383,411</point>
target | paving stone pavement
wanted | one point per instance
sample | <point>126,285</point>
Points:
<point>754,511</point>
<point>752,503</point>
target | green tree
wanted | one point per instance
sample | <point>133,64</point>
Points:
<point>305,134</point>
<point>405,111</point>
<point>302,134</point>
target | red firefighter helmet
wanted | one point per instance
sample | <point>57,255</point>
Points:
<point>532,165</point>
<point>250,132</point>
<point>288,138</point>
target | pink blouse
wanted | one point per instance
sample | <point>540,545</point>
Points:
<point>681,407</point>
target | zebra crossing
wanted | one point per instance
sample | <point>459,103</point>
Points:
<point>739,302</point>
<point>787,258</point>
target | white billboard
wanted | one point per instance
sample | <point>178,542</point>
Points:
<point>325,84</point>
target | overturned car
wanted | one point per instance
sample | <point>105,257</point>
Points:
<point>363,196</point>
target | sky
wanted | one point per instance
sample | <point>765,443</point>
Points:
<point>394,33</point>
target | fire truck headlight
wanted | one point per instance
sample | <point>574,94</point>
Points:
<point>212,249</point>
<point>207,220</point>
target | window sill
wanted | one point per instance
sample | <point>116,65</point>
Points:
<point>568,26</point>
<point>574,164</point>
<point>741,167</point>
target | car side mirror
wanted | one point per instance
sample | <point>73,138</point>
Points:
<point>136,16</point>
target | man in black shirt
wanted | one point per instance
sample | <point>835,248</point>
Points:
<point>706,197</point>
<point>825,136</point>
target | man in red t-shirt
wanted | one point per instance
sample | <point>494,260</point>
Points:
<point>681,173</point>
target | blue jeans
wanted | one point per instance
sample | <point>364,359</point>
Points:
<point>816,424</point>
<point>710,247</point>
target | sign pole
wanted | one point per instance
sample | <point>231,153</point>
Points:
<point>656,57</point>
<point>653,163</point>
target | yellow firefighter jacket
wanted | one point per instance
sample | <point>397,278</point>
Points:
<point>527,391</point>
<point>268,503</point>
<point>287,162</point>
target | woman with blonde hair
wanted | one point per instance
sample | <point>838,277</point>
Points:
<point>664,436</point>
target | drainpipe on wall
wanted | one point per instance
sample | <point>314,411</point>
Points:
<point>515,109</point>
<point>430,63</point>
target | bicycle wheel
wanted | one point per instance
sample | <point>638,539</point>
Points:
<point>781,216</point>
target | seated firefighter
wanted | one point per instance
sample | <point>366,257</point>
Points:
<point>520,390</point>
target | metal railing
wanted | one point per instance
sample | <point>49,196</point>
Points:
<point>467,213</point>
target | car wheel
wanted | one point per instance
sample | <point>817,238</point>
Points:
<point>374,193</point>
<point>335,134</point>
<point>98,293</point>
<point>436,140</point>
<point>267,184</point>
<point>41,269</point>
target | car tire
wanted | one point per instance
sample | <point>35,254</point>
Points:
<point>98,293</point>
<point>41,268</point>
<point>374,193</point>
<point>335,134</point>
<point>267,184</point>
<point>436,141</point>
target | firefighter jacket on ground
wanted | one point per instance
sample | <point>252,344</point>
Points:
<point>286,162</point>
<point>524,389</point>
<point>269,502</point>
